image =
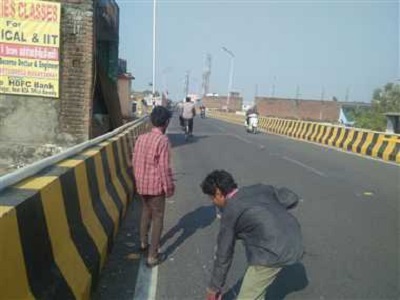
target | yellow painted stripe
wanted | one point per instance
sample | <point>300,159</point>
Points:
<point>278,125</point>
<point>341,137</point>
<point>357,142</point>
<point>299,129</point>
<point>367,143</point>
<point>124,165</point>
<point>14,282</point>
<point>273,125</point>
<point>319,136</point>
<point>296,128</point>
<point>348,139</point>
<point>309,131</point>
<point>304,130</point>
<point>378,145</point>
<point>327,134</point>
<point>291,127</point>
<point>104,195</point>
<point>269,124</point>
<point>398,157</point>
<point>389,149</point>
<point>88,215</point>
<point>65,253</point>
<point>315,133</point>
<point>286,127</point>
<point>333,136</point>
<point>5,209</point>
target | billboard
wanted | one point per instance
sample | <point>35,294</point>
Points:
<point>29,47</point>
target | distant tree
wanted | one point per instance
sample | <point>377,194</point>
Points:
<point>384,100</point>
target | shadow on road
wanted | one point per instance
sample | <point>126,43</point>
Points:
<point>291,279</point>
<point>178,139</point>
<point>188,225</point>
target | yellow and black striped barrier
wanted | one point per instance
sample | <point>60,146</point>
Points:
<point>364,142</point>
<point>57,227</point>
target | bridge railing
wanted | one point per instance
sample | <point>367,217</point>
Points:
<point>59,217</point>
<point>364,142</point>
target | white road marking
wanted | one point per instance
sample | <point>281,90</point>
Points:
<point>146,284</point>
<point>315,171</point>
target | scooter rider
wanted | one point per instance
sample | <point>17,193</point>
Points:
<point>251,112</point>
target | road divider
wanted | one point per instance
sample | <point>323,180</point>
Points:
<point>368,143</point>
<point>58,226</point>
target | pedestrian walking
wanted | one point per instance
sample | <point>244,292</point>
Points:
<point>154,181</point>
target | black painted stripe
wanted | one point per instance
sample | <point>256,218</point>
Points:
<point>45,278</point>
<point>278,126</point>
<point>362,142</point>
<point>382,148</point>
<point>295,126</point>
<point>353,140</point>
<point>301,130</point>
<point>322,135</point>
<point>311,130</point>
<point>129,170</point>
<point>282,127</point>
<point>372,144</point>
<point>290,128</point>
<point>396,149</point>
<point>338,133</point>
<point>346,134</point>
<point>83,241</point>
<point>119,167</point>
<point>110,183</point>
<point>123,149</point>
<point>98,205</point>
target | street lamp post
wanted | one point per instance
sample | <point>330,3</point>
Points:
<point>232,56</point>
<point>154,49</point>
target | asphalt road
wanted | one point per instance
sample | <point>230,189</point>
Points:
<point>349,217</point>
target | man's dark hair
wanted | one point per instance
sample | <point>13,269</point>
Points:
<point>160,116</point>
<point>188,99</point>
<point>218,179</point>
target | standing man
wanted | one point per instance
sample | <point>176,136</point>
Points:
<point>154,181</point>
<point>188,113</point>
<point>257,215</point>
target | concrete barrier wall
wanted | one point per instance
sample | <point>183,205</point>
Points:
<point>57,227</point>
<point>364,142</point>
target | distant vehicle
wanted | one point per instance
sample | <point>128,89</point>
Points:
<point>251,123</point>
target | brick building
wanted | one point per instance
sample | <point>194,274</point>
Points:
<point>220,102</point>
<point>299,109</point>
<point>33,127</point>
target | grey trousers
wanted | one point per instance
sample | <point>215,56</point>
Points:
<point>153,209</point>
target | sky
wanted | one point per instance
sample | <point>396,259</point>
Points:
<point>310,49</point>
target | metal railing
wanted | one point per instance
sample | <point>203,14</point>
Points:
<point>25,172</point>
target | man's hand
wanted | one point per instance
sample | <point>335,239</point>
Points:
<point>213,295</point>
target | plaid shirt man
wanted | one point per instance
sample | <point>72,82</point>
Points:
<point>151,164</point>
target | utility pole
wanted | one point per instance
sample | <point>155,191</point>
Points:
<point>273,87</point>
<point>347,94</point>
<point>186,87</point>
<point>256,91</point>
<point>297,92</point>
<point>323,93</point>
<point>206,76</point>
